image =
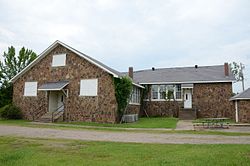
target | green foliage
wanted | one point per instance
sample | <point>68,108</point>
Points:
<point>10,112</point>
<point>9,67</point>
<point>13,64</point>
<point>237,70</point>
<point>123,89</point>
<point>5,95</point>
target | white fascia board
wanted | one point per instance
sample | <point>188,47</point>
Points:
<point>44,53</point>
<point>138,85</point>
<point>49,89</point>
<point>186,82</point>
<point>35,61</point>
<point>82,55</point>
<point>239,99</point>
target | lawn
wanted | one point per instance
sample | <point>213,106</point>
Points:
<point>30,151</point>
<point>120,127</point>
<point>142,123</point>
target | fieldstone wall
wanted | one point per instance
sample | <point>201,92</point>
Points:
<point>133,109</point>
<point>162,108</point>
<point>212,100</point>
<point>244,111</point>
<point>101,108</point>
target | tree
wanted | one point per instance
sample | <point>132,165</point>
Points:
<point>237,70</point>
<point>9,67</point>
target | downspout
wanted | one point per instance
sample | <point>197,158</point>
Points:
<point>236,111</point>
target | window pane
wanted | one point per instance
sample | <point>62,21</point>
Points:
<point>178,91</point>
<point>162,91</point>
<point>154,91</point>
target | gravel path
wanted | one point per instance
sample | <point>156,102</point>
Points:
<point>122,136</point>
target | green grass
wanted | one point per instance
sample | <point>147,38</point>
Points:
<point>142,123</point>
<point>78,126</point>
<point>29,152</point>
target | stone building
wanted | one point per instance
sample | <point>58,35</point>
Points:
<point>241,103</point>
<point>63,83</point>
<point>197,92</point>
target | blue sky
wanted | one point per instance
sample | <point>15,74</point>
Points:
<point>138,33</point>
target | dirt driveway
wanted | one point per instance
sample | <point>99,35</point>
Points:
<point>92,135</point>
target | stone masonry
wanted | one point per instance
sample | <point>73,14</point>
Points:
<point>212,99</point>
<point>209,99</point>
<point>101,108</point>
<point>244,111</point>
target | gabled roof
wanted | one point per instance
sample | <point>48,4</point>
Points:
<point>245,95</point>
<point>111,71</point>
<point>54,45</point>
<point>201,74</point>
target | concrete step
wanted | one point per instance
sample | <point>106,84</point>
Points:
<point>47,118</point>
<point>187,115</point>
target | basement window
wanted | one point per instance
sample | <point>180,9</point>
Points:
<point>88,87</point>
<point>30,89</point>
<point>59,60</point>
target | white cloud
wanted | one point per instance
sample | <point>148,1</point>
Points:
<point>141,33</point>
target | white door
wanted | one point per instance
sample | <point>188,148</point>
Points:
<point>187,99</point>
<point>60,101</point>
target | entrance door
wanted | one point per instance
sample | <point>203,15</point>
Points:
<point>56,100</point>
<point>60,101</point>
<point>187,99</point>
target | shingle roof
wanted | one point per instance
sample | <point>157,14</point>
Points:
<point>245,95</point>
<point>54,85</point>
<point>183,75</point>
<point>88,58</point>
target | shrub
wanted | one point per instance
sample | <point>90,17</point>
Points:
<point>10,111</point>
<point>123,89</point>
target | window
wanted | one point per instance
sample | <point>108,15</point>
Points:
<point>88,87</point>
<point>159,92</point>
<point>59,60</point>
<point>30,89</point>
<point>135,96</point>
<point>178,91</point>
<point>162,91</point>
<point>154,91</point>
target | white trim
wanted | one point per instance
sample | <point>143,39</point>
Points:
<point>239,99</point>
<point>46,51</point>
<point>157,83</point>
<point>163,100</point>
<point>138,85</point>
<point>54,89</point>
<point>49,89</point>
<point>134,103</point>
<point>236,112</point>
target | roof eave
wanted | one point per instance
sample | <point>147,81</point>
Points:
<point>46,51</point>
<point>185,82</point>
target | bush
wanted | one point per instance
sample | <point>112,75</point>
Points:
<point>10,112</point>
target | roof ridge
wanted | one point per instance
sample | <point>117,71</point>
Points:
<point>164,68</point>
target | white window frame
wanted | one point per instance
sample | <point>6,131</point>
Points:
<point>135,98</point>
<point>59,60</point>
<point>88,87</point>
<point>28,91</point>
<point>158,93</point>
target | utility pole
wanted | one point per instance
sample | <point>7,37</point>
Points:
<point>242,75</point>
